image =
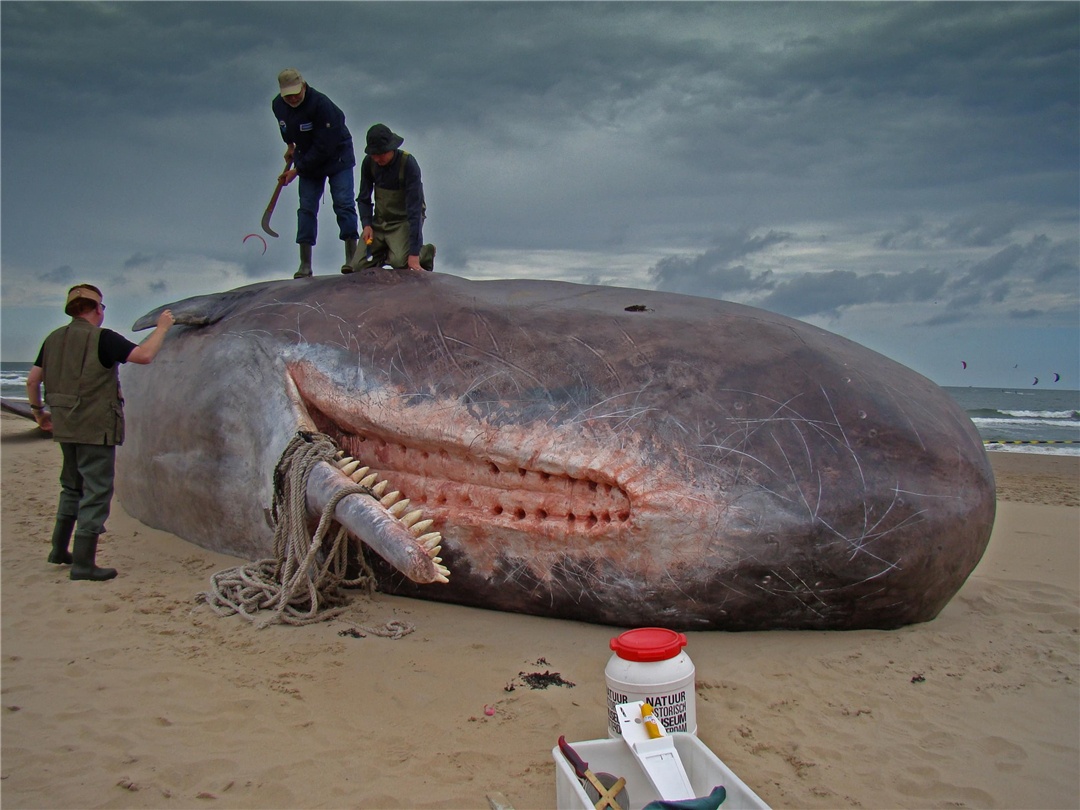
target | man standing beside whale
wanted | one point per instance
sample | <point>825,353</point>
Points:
<point>79,364</point>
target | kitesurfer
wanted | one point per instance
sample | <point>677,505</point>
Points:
<point>395,233</point>
<point>79,364</point>
<point>320,148</point>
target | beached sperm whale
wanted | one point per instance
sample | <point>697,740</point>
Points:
<point>595,453</point>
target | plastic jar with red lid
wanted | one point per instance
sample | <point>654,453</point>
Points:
<point>650,664</point>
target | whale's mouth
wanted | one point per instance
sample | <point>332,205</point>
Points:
<point>459,483</point>
<point>456,486</point>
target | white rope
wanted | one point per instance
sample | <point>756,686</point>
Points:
<point>293,584</point>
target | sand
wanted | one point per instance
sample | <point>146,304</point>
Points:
<point>128,695</point>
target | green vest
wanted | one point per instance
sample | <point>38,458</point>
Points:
<point>83,396</point>
<point>390,203</point>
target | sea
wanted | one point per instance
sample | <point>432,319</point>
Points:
<point>1013,420</point>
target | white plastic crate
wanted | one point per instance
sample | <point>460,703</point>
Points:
<point>703,767</point>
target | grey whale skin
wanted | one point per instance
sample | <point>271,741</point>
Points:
<point>692,464</point>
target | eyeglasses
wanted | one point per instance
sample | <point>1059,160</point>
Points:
<point>102,307</point>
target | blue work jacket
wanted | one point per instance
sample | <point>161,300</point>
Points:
<point>324,144</point>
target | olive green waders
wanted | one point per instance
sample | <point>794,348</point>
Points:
<point>390,232</point>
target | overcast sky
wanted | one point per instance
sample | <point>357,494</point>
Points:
<point>905,175</point>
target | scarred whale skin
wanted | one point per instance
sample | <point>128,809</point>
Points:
<point>691,463</point>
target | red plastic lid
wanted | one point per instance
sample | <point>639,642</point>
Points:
<point>648,644</point>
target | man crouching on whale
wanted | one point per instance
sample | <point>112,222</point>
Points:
<point>79,364</point>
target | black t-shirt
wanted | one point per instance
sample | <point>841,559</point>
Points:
<point>112,348</point>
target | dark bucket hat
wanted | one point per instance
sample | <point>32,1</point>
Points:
<point>380,139</point>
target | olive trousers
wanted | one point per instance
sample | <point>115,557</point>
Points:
<point>86,484</point>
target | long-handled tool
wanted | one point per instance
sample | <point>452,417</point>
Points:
<point>603,789</point>
<point>273,201</point>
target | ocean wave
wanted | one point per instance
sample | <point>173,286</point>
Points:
<point>985,421</point>
<point>992,413</point>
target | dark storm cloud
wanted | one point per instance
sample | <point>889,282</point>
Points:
<point>909,97</point>
<point>997,266</point>
<point>1041,259</point>
<point>945,319</point>
<point>58,275</point>
<point>1000,292</point>
<point>139,260</point>
<point>829,293</point>
<point>909,236</point>
<point>982,228</point>
<point>714,273</point>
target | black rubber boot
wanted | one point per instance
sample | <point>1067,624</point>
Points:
<point>84,566</point>
<point>61,537</point>
<point>350,251</point>
<point>305,263</point>
<point>427,257</point>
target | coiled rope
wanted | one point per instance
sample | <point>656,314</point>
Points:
<point>293,584</point>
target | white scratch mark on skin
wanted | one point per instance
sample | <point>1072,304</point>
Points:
<point>792,592</point>
<point>858,548</point>
<point>446,349</point>
<point>738,453</point>
<point>794,477</point>
<point>487,327</point>
<point>249,332</point>
<point>601,358</point>
<point>807,587</point>
<point>926,495</point>
<point>817,506</point>
<point>854,456</point>
<point>496,358</point>
<point>910,518</point>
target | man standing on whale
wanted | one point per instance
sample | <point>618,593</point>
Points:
<point>79,364</point>
<point>320,148</point>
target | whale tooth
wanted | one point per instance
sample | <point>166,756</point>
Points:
<point>429,540</point>
<point>339,454</point>
<point>436,560</point>
<point>421,527</point>
<point>433,553</point>
<point>341,462</point>
<point>441,578</point>
<point>356,475</point>
<point>350,467</point>
<point>371,479</point>
<point>380,488</point>
<point>412,517</point>
<point>398,508</point>
<point>442,569</point>
<point>391,499</point>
